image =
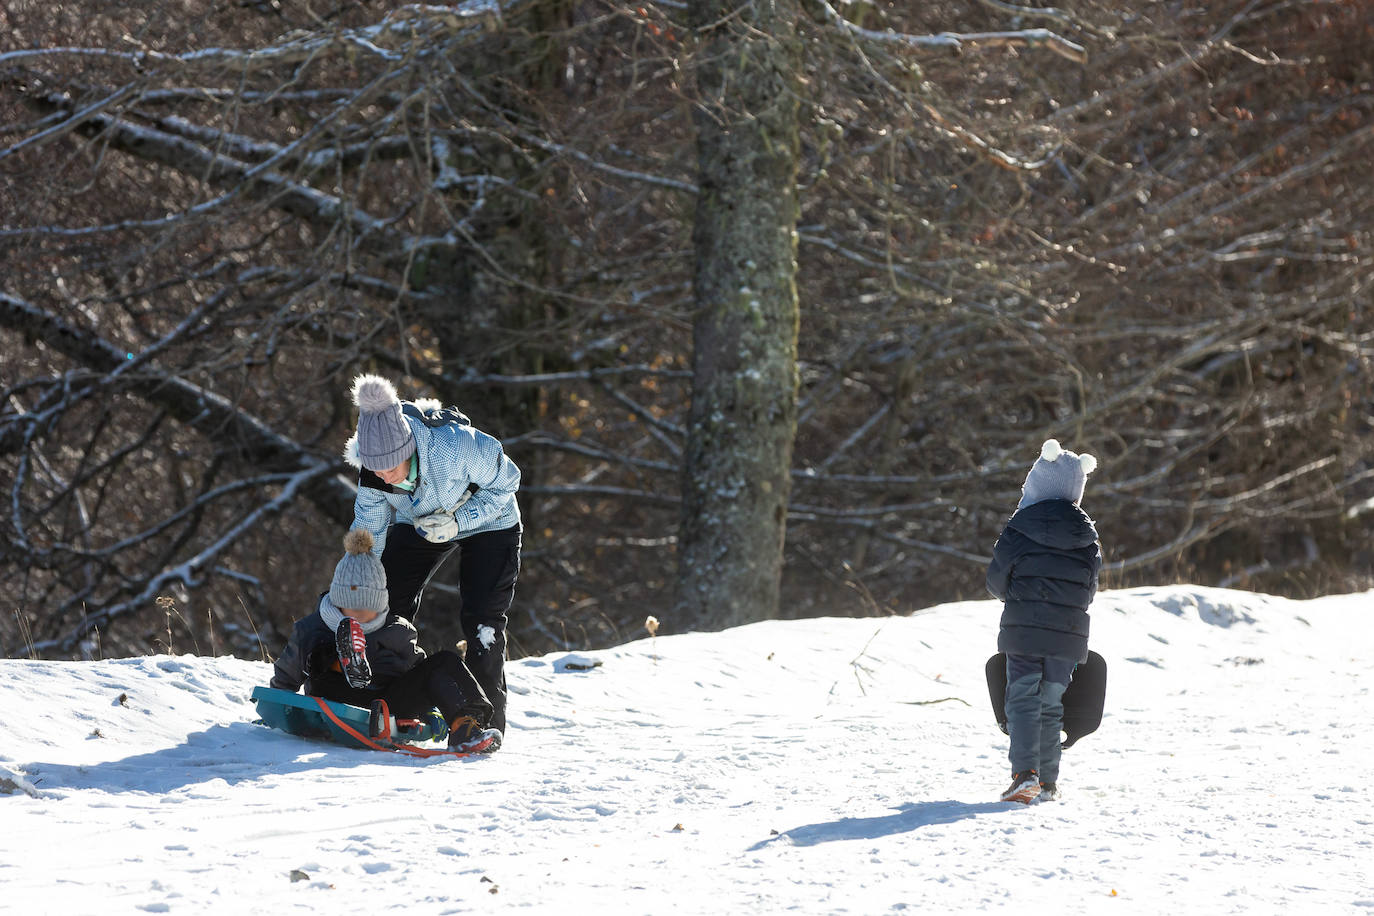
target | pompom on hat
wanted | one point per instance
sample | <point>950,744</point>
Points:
<point>1057,474</point>
<point>384,438</point>
<point>359,579</point>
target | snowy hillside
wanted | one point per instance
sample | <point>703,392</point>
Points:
<point>819,766</point>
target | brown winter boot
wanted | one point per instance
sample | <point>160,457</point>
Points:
<point>1024,787</point>
<point>466,734</point>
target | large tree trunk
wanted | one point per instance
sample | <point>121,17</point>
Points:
<point>743,415</point>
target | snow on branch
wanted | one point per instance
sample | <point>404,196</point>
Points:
<point>251,150</point>
<point>387,39</point>
<point>69,123</point>
<point>1023,38</point>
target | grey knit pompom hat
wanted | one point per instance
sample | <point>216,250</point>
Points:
<point>1057,474</point>
<point>359,579</point>
<point>384,438</point>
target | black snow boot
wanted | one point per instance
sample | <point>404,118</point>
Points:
<point>351,642</point>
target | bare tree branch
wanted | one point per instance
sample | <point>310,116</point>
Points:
<point>205,411</point>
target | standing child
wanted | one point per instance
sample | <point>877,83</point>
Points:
<point>1044,567</point>
<point>348,652</point>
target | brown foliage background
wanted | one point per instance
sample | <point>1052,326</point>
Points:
<point>1161,255</point>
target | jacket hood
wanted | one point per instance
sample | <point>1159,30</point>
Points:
<point>1055,523</point>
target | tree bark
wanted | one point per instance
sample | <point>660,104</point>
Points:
<point>743,415</point>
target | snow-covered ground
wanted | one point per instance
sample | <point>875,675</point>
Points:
<point>818,766</point>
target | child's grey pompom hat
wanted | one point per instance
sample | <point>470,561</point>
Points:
<point>384,438</point>
<point>359,579</point>
<point>1057,474</point>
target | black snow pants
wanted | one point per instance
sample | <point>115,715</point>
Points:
<point>439,681</point>
<point>489,564</point>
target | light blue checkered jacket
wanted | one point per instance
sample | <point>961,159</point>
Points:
<point>451,457</point>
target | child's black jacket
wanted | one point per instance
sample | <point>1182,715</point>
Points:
<point>1044,567</point>
<point>391,652</point>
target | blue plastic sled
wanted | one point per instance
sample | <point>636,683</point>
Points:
<point>313,717</point>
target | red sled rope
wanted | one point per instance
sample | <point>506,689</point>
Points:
<point>362,739</point>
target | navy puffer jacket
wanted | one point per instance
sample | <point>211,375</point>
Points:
<point>391,652</point>
<point>1045,568</point>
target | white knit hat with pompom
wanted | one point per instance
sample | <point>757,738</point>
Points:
<point>1057,474</point>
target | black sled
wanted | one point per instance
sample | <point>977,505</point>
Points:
<point>1083,701</point>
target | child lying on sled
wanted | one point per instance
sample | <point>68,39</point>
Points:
<point>348,651</point>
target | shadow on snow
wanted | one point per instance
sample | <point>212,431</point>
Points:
<point>237,752</point>
<point>908,817</point>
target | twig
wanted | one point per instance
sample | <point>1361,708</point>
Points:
<point>262,646</point>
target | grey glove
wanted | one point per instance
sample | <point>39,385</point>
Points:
<point>442,527</point>
<point>437,527</point>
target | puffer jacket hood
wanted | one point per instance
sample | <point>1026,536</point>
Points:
<point>1056,523</point>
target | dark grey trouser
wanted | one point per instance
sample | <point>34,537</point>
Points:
<point>1035,712</point>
